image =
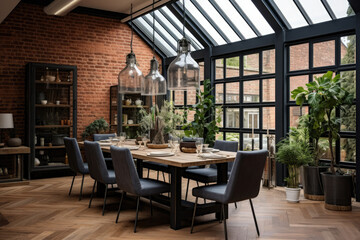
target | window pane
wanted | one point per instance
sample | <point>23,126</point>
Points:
<point>191,97</point>
<point>348,149</point>
<point>291,13</point>
<point>324,53</point>
<point>202,71</point>
<point>268,118</point>
<point>232,92</point>
<point>221,113</point>
<point>179,97</point>
<point>299,57</point>
<point>265,142</point>
<point>190,116</point>
<point>219,93</point>
<point>232,67</point>
<point>251,118</point>
<point>298,81</point>
<point>251,91</point>
<point>325,143</point>
<point>179,111</point>
<point>268,61</point>
<point>232,137</point>
<point>247,141</point>
<point>348,49</point>
<point>268,90</point>
<point>316,10</point>
<point>232,117</point>
<point>219,136</point>
<point>251,64</point>
<point>219,68</point>
<point>295,113</point>
<point>341,8</point>
<point>348,118</point>
<point>349,81</point>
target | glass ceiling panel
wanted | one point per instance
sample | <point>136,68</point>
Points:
<point>236,18</point>
<point>219,20</point>
<point>316,10</point>
<point>340,8</point>
<point>180,26</point>
<point>291,13</point>
<point>159,41</point>
<point>205,23</point>
<point>255,16</point>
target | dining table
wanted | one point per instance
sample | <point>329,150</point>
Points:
<point>180,210</point>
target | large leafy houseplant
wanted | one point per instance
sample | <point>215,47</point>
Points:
<point>324,95</point>
<point>206,118</point>
<point>97,126</point>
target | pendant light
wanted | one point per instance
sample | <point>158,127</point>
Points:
<point>153,83</point>
<point>183,72</point>
<point>130,78</point>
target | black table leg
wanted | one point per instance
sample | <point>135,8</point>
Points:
<point>139,167</point>
<point>222,177</point>
<point>175,201</point>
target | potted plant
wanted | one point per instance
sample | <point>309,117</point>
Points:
<point>97,126</point>
<point>160,122</point>
<point>325,95</point>
<point>205,125</point>
<point>294,155</point>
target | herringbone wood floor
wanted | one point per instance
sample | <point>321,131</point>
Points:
<point>43,210</point>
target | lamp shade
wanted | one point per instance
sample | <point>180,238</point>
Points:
<point>6,120</point>
<point>183,71</point>
<point>153,83</point>
<point>130,78</point>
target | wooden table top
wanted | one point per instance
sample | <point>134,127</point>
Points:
<point>180,160</point>
<point>14,150</point>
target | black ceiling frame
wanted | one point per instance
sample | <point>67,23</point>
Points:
<point>303,12</point>
<point>227,20</point>
<point>275,21</point>
<point>211,21</point>
<point>355,5</point>
<point>192,25</point>
<point>157,30</point>
<point>245,17</point>
<point>328,9</point>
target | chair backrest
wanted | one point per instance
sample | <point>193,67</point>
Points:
<point>231,146</point>
<point>245,178</point>
<point>74,155</point>
<point>191,139</point>
<point>126,175</point>
<point>96,162</point>
<point>98,137</point>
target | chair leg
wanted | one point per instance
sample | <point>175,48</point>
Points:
<point>235,205</point>
<point>106,189</point>
<point>148,173</point>
<point>253,212</point>
<point>205,198</point>
<point>137,213</point>
<point>81,188</point>
<point>223,214</point>
<point>151,208</point>
<point>164,176</point>
<point>187,189</point>
<point>72,183</point>
<point>92,194</point>
<point>193,218</point>
<point>118,213</point>
<point>157,178</point>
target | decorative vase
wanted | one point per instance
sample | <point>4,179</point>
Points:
<point>292,194</point>
<point>313,187</point>
<point>14,142</point>
<point>138,102</point>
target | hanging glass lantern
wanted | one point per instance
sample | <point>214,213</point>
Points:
<point>130,78</point>
<point>183,72</point>
<point>154,83</point>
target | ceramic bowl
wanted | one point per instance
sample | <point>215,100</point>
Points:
<point>43,102</point>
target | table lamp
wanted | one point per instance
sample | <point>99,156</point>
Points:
<point>6,122</point>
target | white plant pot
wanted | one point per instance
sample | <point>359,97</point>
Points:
<point>292,194</point>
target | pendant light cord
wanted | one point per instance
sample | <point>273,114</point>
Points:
<point>153,29</point>
<point>184,18</point>
<point>131,24</point>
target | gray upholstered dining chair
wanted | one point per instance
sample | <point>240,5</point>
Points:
<point>76,162</point>
<point>128,179</point>
<point>98,170</point>
<point>209,175</point>
<point>103,136</point>
<point>243,184</point>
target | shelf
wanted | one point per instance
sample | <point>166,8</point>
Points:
<point>55,83</point>
<point>60,166</point>
<point>131,125</point>
<point>48,147</point>
<point>53,105</point>
<point>132,106</point>
<point>53,126</point>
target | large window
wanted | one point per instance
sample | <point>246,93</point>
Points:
<point>245,88</point>
<point>313,58</point>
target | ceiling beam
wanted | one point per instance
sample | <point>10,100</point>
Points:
<point>270,15</point>
<point>355,5</point>
<point>303,12</point>
<point>6,6</point>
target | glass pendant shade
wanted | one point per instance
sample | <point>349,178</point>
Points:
<point>153,83</point>
<point>183,71</point>
<point>130,78</point>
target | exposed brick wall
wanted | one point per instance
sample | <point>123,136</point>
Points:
<point>97,46</point>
